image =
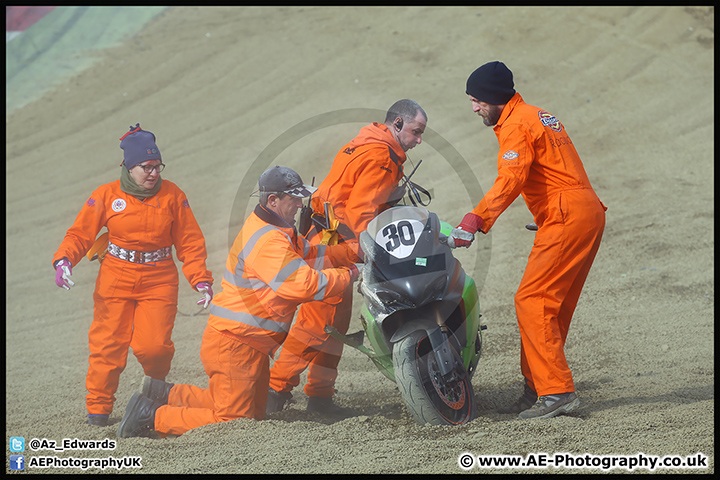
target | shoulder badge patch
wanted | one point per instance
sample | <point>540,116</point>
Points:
<point>510,155</point>
<point>550,121</point>
<point>118,205</point>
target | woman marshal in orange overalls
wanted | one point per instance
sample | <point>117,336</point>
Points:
<point>136,291</point>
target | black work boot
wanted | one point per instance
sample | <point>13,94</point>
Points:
<point>527,400</point>
<point>276,401</point>
<point>157,390</point>
<point>99,420</point>
<point>326,406</point>
<point>139,419</point>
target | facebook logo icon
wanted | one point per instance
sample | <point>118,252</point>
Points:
<point>17,444</point>
<point>17,462</point>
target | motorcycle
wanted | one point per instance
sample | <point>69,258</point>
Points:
<point>421,315</point>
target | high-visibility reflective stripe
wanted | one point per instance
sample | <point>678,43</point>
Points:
<point>248,248</point>
<point>322,285</point>
<point>256,284</point>
<point>251,320</point>
<point>239,281</point>
<point>306,247</point>
<point>246,283</point>
<point>320,259</point>
<point>236,278</point>
<point>285,273</point>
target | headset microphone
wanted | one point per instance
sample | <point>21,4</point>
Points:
<point>399,125</point>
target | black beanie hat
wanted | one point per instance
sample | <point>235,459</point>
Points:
<point>492,83</point>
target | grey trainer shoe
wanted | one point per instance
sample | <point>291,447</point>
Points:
<point>548,406</point>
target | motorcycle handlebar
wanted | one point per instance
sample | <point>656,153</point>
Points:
<point>449,241</point>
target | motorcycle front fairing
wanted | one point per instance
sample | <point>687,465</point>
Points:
<point>410,278</point>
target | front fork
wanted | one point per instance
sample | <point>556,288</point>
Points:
<point>440,342</point>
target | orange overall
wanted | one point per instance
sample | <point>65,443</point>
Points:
<point>537,159</point>
<point>361,179</point>
<point>269,271</point>
<point>135,303</point>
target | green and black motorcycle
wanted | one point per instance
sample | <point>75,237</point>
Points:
<point>421,314</point>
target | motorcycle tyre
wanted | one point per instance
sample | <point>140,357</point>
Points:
<point>412,360</point>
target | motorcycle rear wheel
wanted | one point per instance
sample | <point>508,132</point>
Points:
<point>429,398</point>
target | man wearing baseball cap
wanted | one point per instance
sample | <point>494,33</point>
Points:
<point>362,182</point>
<point>270,270</point>
<point>538,160</point>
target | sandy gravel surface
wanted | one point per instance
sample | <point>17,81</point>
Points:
<point>634,88</point>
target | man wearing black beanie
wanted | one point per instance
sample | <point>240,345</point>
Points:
<point>492,84</point>
<point>538,160</point>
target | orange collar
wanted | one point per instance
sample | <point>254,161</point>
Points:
<point>509,107</point>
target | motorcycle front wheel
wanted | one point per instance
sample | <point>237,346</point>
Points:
<point>429,398</point>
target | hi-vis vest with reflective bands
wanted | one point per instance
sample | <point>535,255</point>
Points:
<point>270,271</point>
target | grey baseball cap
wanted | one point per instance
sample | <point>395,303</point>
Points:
<point>286,180</point>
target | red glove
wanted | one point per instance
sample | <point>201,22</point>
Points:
<point>464,234</point>
<point>354,248</point>
<point>471,223</point>
<point>354,271</point>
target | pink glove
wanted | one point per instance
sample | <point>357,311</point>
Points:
<point>464,234</point>
<point>206,289</point>
<point>63,270</point>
